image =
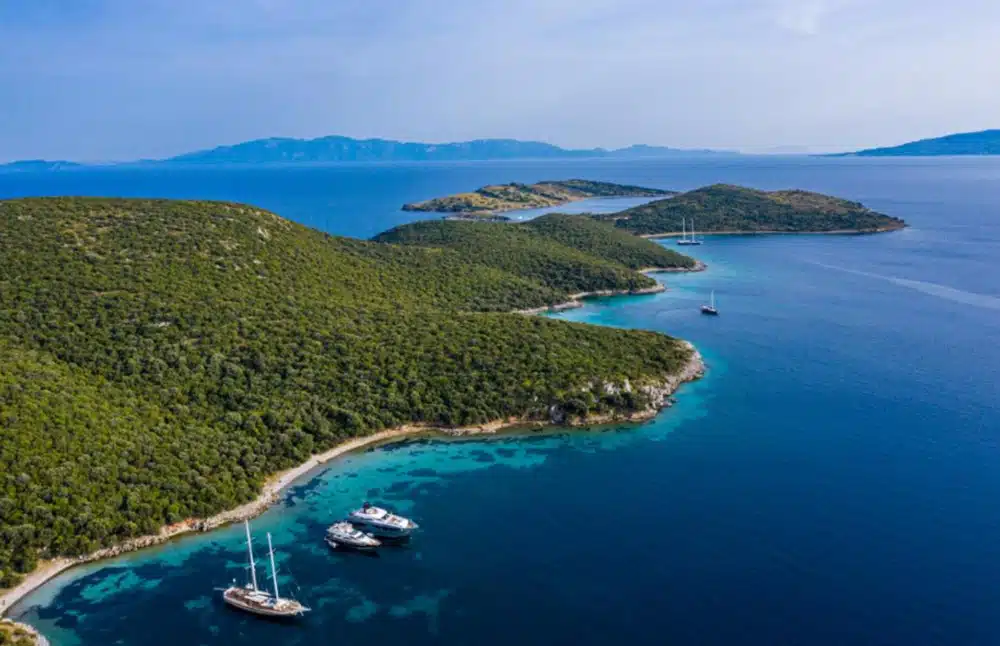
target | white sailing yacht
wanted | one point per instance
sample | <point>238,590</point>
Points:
<point>252,599</point>
<point>685,240</point>
<point>710,308</point>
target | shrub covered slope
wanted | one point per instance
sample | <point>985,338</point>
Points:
<point>735,208</point>
<point>569,253</point>
<point>159,359</point>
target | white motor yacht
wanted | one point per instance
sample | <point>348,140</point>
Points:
<point>381,522</point>
<point>346,535</point>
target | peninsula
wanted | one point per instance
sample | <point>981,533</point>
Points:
<point>162,360</point>
<point>498,198</point>
<point>983,142</point>
<point>574,254</point>
<point>724,208</point>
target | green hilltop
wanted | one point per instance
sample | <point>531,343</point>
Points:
<point>569,253</point>
<point>736,209</point>
<point>498,198</point>
<point>160,359</point>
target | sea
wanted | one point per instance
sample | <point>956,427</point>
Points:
<point>834,479</point>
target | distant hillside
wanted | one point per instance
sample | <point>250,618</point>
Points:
<point>604,241</point>
<point>37,165</point>
<point>160,359</point>
<point>334,148</point>
<point>509,197</point>
<point>642,150</point>
<point>562,252</point>
<point>725,208</point>
<point>346,149</point>
<point>985,142</point>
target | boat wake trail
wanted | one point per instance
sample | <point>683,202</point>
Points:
<point>984,301</point>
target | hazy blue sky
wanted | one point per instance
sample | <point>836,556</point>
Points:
<point>119,79</point>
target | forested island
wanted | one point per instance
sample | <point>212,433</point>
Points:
<point>724,208</point>
<point>489,200</point>
<point>161,359</point>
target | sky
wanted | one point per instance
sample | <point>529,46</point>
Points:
<point>102,80</point>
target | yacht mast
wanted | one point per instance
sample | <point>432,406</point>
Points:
<point>253,570</point>
<point>684,234</point>
<point>274,574</point>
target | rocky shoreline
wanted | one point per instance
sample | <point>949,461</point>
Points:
<point>24,630</point>
<point>836,232</point>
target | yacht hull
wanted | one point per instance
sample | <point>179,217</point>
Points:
<point>262,612</point>
<point>380,531</point>
<point>348,545</point>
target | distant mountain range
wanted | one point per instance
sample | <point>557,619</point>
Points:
<point>984,142</point>
<point>346,149</point>
<point>334,149</point>
<point>37,165</point>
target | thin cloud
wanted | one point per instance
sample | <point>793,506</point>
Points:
<point>107,79</point>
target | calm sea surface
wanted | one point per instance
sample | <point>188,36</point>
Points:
<point>835,479</point>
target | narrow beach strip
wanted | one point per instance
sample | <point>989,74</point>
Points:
<point>270,493</point>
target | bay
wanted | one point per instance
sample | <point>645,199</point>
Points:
<point>832,480</point>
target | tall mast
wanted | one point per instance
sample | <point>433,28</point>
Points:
<point>274,573</point>
<point>253,570</point>
<point>684,233</point>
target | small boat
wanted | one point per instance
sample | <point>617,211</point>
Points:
<point>381,523</point>
<point>252,599</point>
<point>346,535</point>
<point>685,240</point>
<point>710,308</point>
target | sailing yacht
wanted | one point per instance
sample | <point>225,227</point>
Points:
<point>252,599</point>
<point>685,240</point>
<point>710,308</point>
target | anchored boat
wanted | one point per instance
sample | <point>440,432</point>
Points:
<point>685,240</point>
<point>381,522</point>
<point>346,535</point>
<point>252,599</point>
<point>710,308</point>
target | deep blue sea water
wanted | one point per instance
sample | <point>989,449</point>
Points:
<point>835,479</point>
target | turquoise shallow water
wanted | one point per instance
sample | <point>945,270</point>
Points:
<point>832,480</point>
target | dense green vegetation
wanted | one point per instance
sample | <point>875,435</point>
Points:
<point>509,197</point>
<point>600,239</point>
<point>735,208</point>
<point>568,253</point>
<point>159,359</point>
